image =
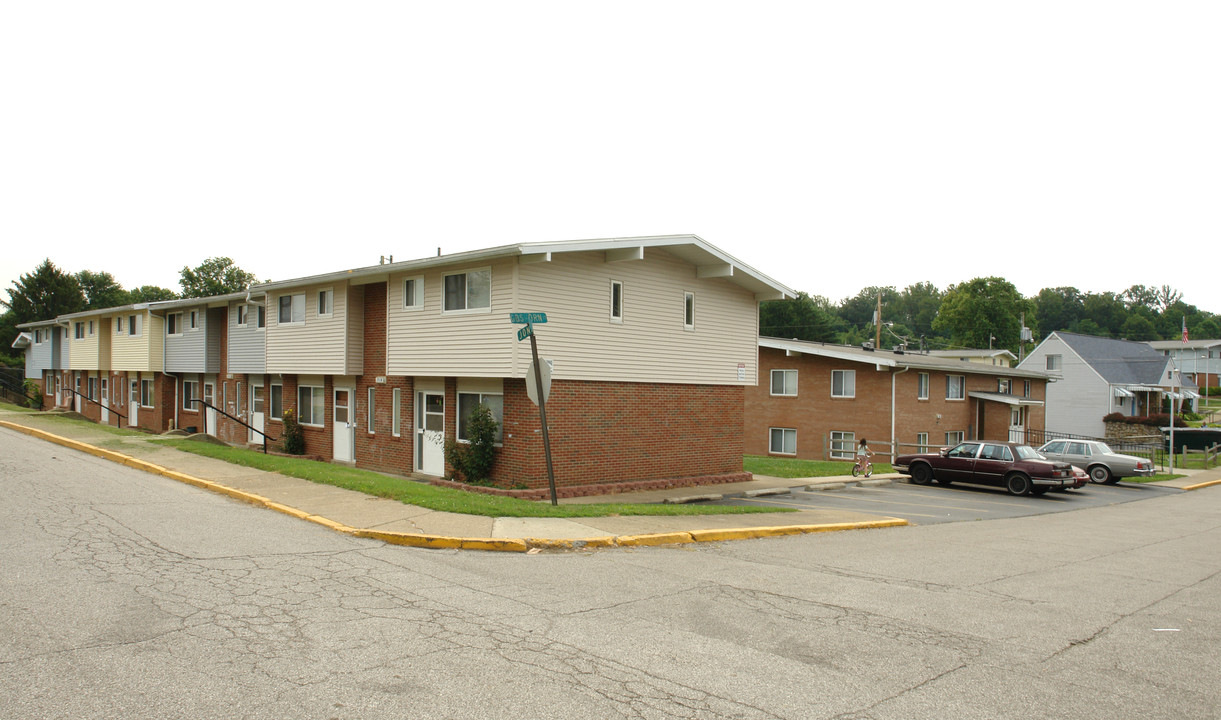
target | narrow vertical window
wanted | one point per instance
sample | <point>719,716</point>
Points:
<point>369,412</point>
<point>396,412</point>
<point>326,302</point>
<point>616,301</point>
<point>689,311</point>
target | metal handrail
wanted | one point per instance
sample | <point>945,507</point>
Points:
<point>95,402</point>
<point>239,421</point>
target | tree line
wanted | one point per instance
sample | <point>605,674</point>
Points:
<point>985,312</point>
<point>48,292</point>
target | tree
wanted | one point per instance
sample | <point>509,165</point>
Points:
<point>1139,296</point>
<point>800,318</point>
<point>1107,311</point>
<point>150,293</point>
<point>44,294</point>
<point>1168,297</point>
<point>917,307</point>
<point>214,276</point>
<point>1057,309</point>
<point>101,290</point>
<point>984,308</point>
<point>1140,328</point>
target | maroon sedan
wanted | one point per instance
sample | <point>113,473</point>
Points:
<point>1020,469</point>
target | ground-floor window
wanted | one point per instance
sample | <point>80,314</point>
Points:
<point>311,405</point>
<point>190,391</point>
<point>782,441</point>
<point>396,412</point>
<point>146,393</point>
<point>953,438</point>
<point>467,402</point>
<point>277,402</point>
<point>843,445</point>
<point>922,442</point>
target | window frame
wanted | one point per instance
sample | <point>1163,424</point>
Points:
<point>922,386</point>
<point>275,405</point>
<point>315,392</point>
<point>616,301</point>
<point>188,396</point>
<point>460,429</point>
<point>295,301</point>
<point>173,324</point>
<point>193,325</point>
<point>845,439</point>
<point>954,437</point>
<point>135,326</point>
<point>784,374</point>
<point>147,392</point>
<point>1054,362</point>
<point>466,308</point>
<point>688,310</point>
<point>922,445</point>
<point>396,412</point>
<point>242,315</point>
<point>326,302</point>
<point>961,384</point>
<point>847,373</point>
<point>370,411</point>
<point>413,288</point>
<point>785,434</point>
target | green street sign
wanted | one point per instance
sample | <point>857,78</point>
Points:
<point>525,332</point>
<point>528,318</point>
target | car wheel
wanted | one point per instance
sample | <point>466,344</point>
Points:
<point>1018,484</point>
<point>1100,474</point>
<point>921,474</point>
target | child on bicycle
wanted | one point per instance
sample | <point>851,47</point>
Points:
<point>863,453</point>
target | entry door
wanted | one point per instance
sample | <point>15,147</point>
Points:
<point>1017,425</point>
<point>430,433</point>
<point>256,413</point>
<point>344,433</point>
<point>133,406</point>
<point>210,417</point>
<point>59,391</point>
<point>105,400</point>
<point>76,399</point>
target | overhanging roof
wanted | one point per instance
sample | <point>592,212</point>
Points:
<point>1005,398</point>
<point>892,359</point>
<point>708,261</point>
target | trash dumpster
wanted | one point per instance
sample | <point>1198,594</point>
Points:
<point>1193,438</point>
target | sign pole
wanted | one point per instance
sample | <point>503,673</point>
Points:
<point>542,415</point>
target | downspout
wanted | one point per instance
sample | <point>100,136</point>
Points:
<point>894,448</point>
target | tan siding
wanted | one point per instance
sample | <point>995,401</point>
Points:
<point>317,346</point>
<point>650,345</point>
<point>131,353</point>
<point>84,354</point>
<point>354,310</point>
<point>467,344</point>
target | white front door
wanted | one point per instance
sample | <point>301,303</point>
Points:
<point>344,432</point>
<point>430,433</point>
<point>105,400</point>
<point>133,405</point>
<point>77,402</point>
<point>210,416</point>
<point>1017,425</point>
<point>256,413</point>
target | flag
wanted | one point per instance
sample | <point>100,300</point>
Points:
<point>1184,328</point>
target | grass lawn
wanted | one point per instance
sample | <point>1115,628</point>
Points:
<point>437,498</point>
<point>794,468</point>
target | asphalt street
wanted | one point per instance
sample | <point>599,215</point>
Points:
<point>127,595</point>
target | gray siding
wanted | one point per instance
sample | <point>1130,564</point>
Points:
<point>215,330</point>
<point>247,349</point>
<point>187,352</point>
<point>40,356</point>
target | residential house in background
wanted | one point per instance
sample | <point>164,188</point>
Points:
<point>817,401</point>
<point>1098,376</point>
<point>46,347</point>
<point>1199,360</point>
<point>998,357</point>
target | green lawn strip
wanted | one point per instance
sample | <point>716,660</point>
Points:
<point>794,468</point>
<point>437,498</point>
<point>1152,478</point>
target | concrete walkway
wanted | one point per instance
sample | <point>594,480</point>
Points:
<point>362,515</point>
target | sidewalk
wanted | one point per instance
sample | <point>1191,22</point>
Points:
<point>362,515</point>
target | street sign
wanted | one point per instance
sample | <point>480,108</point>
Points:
<point>529,318</point>
<point>525,332</point>
<point>532,386</point>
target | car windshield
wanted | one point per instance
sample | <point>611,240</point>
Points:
<point>1026,452</point>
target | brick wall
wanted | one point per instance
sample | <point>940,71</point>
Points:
<point>814,414</point>
<point>380,449</point>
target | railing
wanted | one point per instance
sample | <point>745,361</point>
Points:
<point>1210,456</point>
<point>15,391</point>
<point>239,421</point>
<point>107,408</point>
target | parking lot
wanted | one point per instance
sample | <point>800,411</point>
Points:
<point>928,504</point>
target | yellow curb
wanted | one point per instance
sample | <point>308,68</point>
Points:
<point>671,538</point>
<point>287,510</point>
<point>327,523</point>
<point>443,543</point>
<point>1197,486</point>
<point>781,530</point>
<point>566,544</point>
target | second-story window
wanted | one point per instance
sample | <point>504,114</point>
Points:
<point>79,329</point>
<point>413,293</point>
<point>616,301</point>
<point>173,324</point>
<point>242,313</point>
<point>922,386</point>
<point>843,383</point>
<point>784,382</point>
<point>468,291</point>
<point>689,311</point>
<point>326,302</point>
<point>292,308</point>
<point>133,325</point>
<point>1002,385</point>
<point>955,387</point>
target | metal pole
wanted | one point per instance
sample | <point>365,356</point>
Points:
<point>542,415</point>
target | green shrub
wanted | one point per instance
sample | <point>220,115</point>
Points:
<point>33,394</point>
<point>294,435</point>
<point>472,461</point>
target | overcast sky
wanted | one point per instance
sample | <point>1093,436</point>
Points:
<point>829,145</point>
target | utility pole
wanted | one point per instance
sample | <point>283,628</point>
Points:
<point>877,340</point>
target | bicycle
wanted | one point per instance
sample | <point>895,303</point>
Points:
<point>856,469</point>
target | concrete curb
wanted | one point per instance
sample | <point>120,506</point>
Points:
<point>460,543</point>
<point>1197,486</point>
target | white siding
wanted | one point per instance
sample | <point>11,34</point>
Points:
<point>574,289</point>
<point>1077,402</point>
